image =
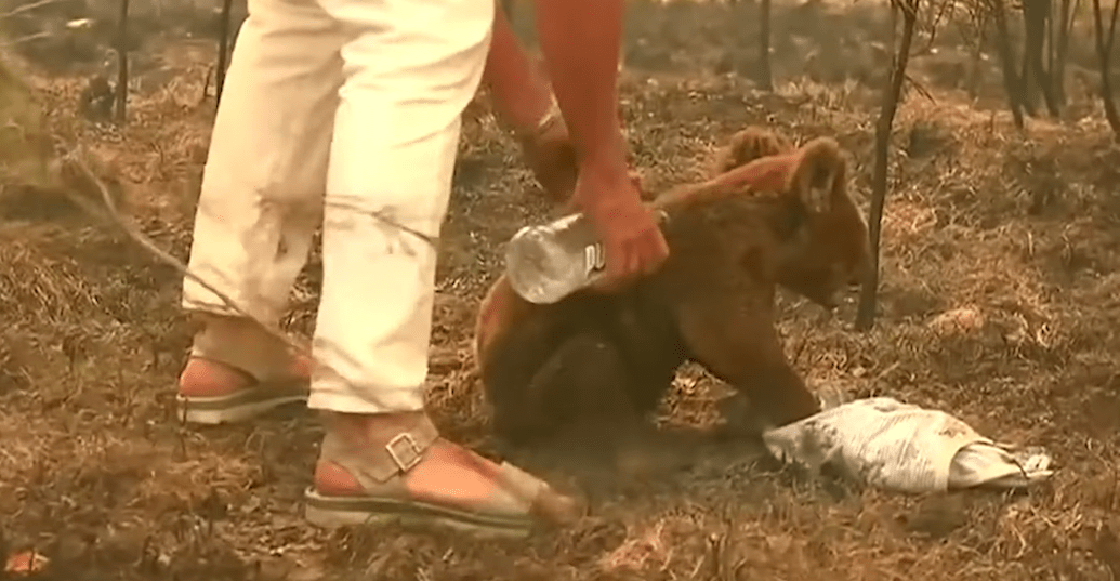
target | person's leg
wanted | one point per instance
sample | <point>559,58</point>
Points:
<point>411,69</point>
<point>261,201</point>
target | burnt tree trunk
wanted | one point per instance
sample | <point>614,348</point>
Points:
<point>892,92</point>
<point>1030,98</point>
<point>122,63</point>
<point>1104,55</point>
<point>1035,15</point>
<point>765,74</point>
<point>1051,41</point>
<point>1011,84</point>
<point>223,51</point>
<point>1063,27</point>
<point>980,17</point>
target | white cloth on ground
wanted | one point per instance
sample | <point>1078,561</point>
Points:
<point>884,443</point>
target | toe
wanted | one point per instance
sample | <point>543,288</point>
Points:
<point>545,502</point>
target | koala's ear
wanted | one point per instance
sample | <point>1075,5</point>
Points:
<point>819,170</point>
<point>747,145</point>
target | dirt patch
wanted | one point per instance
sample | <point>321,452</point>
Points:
<point>999,305</point>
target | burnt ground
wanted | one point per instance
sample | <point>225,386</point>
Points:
<point>999,304</point>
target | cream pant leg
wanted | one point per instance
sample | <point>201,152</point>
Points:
<point>336,112</point>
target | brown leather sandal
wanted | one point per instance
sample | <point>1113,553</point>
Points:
<point>519,502</point>
<point>243,404</point>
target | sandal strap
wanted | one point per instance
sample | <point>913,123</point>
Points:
<point>400,455</point>
<point>405,450</point>
<point>260,356</point>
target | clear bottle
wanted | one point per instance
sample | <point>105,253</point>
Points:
<point>548,262</point>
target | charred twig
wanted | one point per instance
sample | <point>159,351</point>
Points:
<point>93,196</point>
<point>206,85</point>
<point>892,91</point>
<point>920,88</point>
<point>27,38</point>
<point>27,8</point>
<point>89,192</point>
<point>944,11</point>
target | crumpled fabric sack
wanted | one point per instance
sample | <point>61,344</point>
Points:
<point>884,443</point>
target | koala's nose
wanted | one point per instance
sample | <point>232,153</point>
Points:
<point>833,300</point>
<point>855,280</point>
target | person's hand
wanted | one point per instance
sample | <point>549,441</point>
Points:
<point>552,157</point>
<point>632,241</point>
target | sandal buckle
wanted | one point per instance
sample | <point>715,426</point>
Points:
<point>407,457</point>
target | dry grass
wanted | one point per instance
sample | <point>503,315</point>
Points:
<point>999,305</point>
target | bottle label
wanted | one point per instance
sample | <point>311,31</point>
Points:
<point>595,258</point>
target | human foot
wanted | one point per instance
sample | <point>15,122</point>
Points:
<point>396,467</point>
<point>212,392</point>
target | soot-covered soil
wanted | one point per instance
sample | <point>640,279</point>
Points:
<point>999,304</point>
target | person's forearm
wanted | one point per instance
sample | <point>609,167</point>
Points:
<point>521,94</point>
<point>580,40</point>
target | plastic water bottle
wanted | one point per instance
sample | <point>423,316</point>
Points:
<point>548,262</point>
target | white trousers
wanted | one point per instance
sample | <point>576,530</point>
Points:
<point>335,112</point>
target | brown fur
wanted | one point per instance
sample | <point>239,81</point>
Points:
<point>747,145</point>
<point>606,359</point>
